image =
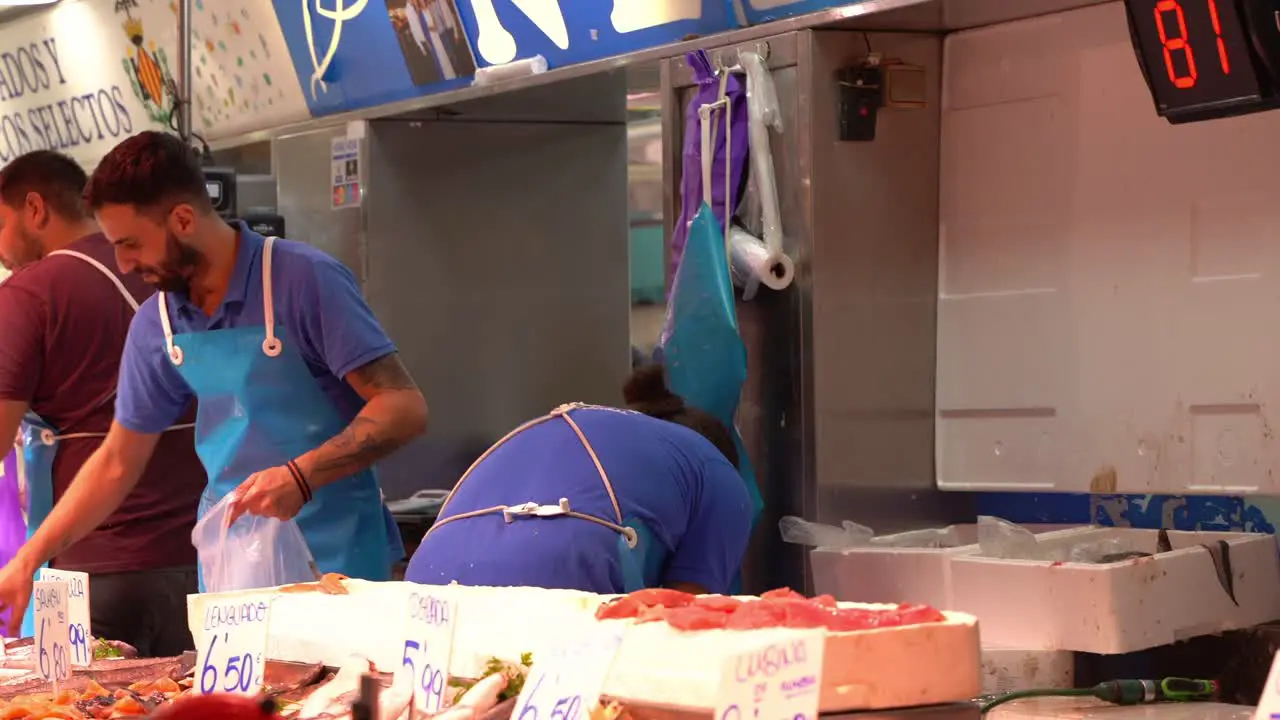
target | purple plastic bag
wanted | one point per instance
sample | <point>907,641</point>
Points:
<point>13,529</point>
<point>691,183</point>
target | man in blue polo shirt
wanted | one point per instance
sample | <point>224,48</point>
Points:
<point>300,391</point>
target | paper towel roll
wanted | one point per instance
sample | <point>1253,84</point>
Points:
<point>753,265</point>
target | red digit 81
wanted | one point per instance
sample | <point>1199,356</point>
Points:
<point>1176,41</point>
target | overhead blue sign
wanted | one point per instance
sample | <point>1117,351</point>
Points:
<point>567,32</point>
<point>352,54</point>
<point>763,11</point>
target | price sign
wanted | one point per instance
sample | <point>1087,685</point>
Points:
<point>81,637</point>
<point>232,653</point>
<point>53,658</point>
<point>428,646</point>
<point>1269,702</point>
<point>565,683</point>
<point>777,680</point>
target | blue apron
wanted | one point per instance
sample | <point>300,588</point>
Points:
<point>259,407</point>
<point>641,557</point>
<point>40,444</point>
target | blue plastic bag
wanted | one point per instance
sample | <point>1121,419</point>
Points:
<point>702,351</point>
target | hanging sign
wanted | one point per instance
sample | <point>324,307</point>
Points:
<point>763,11</point>
<point>59,92</point>
<point>430,619</point>
<point>232,653</point>
<point>352,54</point>
<point>80,635</point>
<point>777,680</point>
<point>53,658</point>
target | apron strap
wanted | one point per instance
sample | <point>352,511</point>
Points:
<point>47,436</point>
<point>509,512</point>
<point>115,279</point>
<point>271,346</point>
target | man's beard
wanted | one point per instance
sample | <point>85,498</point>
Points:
<point>29,249</point>
<point>174,272</point>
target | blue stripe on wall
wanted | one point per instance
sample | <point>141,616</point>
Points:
<point>1176,512</point>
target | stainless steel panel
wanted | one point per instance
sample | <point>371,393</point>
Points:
<point>874,288</point>
<point>498,262</point>
<point>305,197</point>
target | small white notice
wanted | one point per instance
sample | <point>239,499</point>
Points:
<point>780,679</point>
<point>565,683</point>
<point>53,659</point>
<point>430,617</point>
<point>233,650</point>
<point>80,642</point>
<point>1269,702</point>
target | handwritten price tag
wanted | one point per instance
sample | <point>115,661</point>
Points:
<point>79,629</point>
<point>428,647</point>
<point>777,680</point>
<point>565,684</point>
<point>52,630</point>
<point>1269,702</point>
<point>233,649</point>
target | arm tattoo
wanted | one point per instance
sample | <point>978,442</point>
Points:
<point>358,446</point>
<point>385,373</point>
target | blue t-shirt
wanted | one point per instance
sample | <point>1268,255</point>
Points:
<point>665,475</point>
<point>316,300</point>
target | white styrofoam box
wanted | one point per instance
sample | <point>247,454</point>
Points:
<point>1119,607</point>
<point>874,668</point>
<point>1006,670</point>
<point>873,574</point>
<point>1101,273</point>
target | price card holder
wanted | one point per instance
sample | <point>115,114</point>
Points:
<point>1269,702</point>
<point>430,617</point>
<point>53,658</point>
<point>81,635</point>
<point>780,679</point>
<point>232,655</point>
<point>565,684</point>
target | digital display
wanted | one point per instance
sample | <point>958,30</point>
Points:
<point>215,191</point>
<point>1196,52</point>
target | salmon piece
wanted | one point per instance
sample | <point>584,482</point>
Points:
<point>757,615</point>
<point>662,596</point>
<point>620,608</point>
<point>782,594</point>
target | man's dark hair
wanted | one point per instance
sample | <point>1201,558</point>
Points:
<point>149,170</point>
<point>51,175</point>
<point>646,391</point>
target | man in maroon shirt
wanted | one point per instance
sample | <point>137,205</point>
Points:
<point>64,316</point>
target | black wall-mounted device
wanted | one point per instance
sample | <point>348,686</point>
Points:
<point>861,97</point>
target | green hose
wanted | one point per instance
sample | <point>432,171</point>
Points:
<point>1022,694</point>
<point>1124,692</point>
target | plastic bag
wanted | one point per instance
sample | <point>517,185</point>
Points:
<point>947,537</point>
<point>802,532</point>
<point>253,552</point>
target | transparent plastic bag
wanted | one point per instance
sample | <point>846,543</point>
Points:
<point>802,532</point>
<point>253,552</point>
<point>947,537</point>
<point>999,538</point>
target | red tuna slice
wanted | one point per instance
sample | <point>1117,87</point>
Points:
<point>620,608</point>
<point>851,619</point>
<point>782,594</point>
<point>696,618</point>
<point>717,603</point>
<point>918,614</point>
<point>826,601</point>
<point>804,614</point>
<point>757,615</point>
<point>650,614</point>
<point>663,597</point>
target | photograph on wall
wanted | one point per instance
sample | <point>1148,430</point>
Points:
<point>432,40</point>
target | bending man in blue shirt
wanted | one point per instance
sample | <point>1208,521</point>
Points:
<point>598,499</point>
<point>300,391</point>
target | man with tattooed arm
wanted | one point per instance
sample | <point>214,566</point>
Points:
<point>300,391</point>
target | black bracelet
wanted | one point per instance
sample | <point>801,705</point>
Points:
<point>300,479</point>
